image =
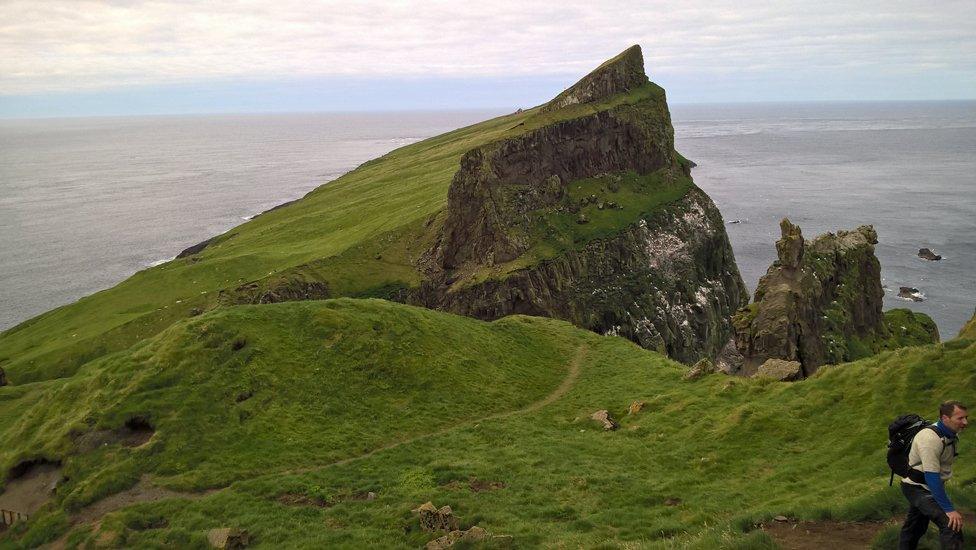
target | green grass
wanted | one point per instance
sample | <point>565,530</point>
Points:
<point>360,233</point>
<point>334,379</point>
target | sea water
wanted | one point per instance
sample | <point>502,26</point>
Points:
<point>84,203</point>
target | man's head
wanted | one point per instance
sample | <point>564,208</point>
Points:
<point>954,415</point>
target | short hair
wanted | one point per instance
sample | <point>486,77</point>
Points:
<point>949,407</point>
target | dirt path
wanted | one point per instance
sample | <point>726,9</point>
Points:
<point>835,535</point>
<point>145,491</point>
<point>817,535</point>
<point>572,374</point>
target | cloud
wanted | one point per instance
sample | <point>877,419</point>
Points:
<point>70,45</point>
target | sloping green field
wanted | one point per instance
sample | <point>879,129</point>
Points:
<point>360,233</point>
<point>290,413</point>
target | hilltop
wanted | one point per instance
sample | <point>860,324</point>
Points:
<point>249,423</point>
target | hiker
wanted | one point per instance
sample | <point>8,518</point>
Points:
<point>933,452</point>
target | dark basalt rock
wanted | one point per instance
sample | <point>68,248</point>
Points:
<point>813,301</point>
<point>910,293</point>
<point>616,76</point>
<point>499,182</point>
<point>927,254</point>
<point>668,281</point>
<point>195,248</point>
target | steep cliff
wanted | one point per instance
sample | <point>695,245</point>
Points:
<point>593,219</point>
<point>820,303</point>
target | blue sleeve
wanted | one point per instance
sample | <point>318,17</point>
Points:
<point>934,481</point>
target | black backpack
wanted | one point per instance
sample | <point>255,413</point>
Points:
<point>901,432</point>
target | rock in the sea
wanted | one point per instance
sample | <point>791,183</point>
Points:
<point>666,278</point>
<point>911,293</point>
<point>437,519</point>
<point>702,368</point>
<point>927,254</point>
<point>228,538</point>
<point>604,418</point>
<point>786,371</point>
<point>636,407</point>
<point>816,303</point>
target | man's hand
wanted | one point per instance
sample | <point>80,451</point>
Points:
<point>955,521</point>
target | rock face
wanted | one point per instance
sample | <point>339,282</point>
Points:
<point>667,281</point>
<point>617,75</point>
<point>815,303</point>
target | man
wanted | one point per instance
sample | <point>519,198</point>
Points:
<point>933,452</point>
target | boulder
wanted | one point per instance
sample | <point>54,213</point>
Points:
<point>785,371</point>
<point>927,254</point>
<point>636,407</point>
<point>437,519</point>
<point>471,536</point>
<point>228,537</point>
<point>910,293</point>
<point>702,368</point>
<point>603,417</point>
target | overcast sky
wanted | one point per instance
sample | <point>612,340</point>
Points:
<point>123,57</point>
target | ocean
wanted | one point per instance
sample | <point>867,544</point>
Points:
<point>84,203</point>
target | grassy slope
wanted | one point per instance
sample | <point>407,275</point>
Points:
<point>359,232</point>
<point>733,450</point>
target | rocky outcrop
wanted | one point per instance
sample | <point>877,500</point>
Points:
<point>605,420</point>
<point>501,182</point>
<point>669,283</point>
<point>433,518</point>
<point>702,368</point>
<point>616,76</point>
<point>3,378</point>
<point>665,279</point>
<point>816,304</point>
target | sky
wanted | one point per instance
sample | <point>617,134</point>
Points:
<point>120,57</point>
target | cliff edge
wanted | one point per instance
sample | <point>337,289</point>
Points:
<point>591,217</point>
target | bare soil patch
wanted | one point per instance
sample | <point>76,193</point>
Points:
<point>30,485</point>
<point>136,432</point>
<point>817,535</point>
<point>296,499</point>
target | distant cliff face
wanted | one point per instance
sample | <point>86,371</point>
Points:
<point>645,255</point>
<point>820,303</point>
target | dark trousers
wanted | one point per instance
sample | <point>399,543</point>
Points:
<point>922,509</point>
